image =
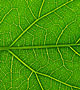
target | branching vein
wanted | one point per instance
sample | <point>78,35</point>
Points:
<point>40,73</point>
<point>6,15</point>
<point>41,8</point>
<point>21,61</point>
<point>74,49</point>
<point>58,80</point>
<point>39,81</point>
<point>40,47</point>
<point>38,20</point>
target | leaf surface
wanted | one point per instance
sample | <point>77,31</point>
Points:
<point>40,44</point>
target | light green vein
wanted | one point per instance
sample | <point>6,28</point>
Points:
<point>39,81</point>
<point>6,15</point>
<point>59,39</point>
<point>38,20</point>
<point>41,8</point>
<point>11,74</point>
<point>75,51</point>
<point>21,61</point>
<point>58,80</point>
<point>30,9</point>
<point>64,30</point>
<point>38,47</point>
<point>41,73</point>
<point>56,9</point>
<point>78,40</point>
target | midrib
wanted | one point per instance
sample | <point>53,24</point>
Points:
<point>38,47</point>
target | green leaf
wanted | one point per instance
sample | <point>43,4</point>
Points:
<point>39,44</point>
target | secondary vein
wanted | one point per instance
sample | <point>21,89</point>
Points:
<point>38,20</point>
<point>41,7</point>
<point>41,73</point>
<point>45,75</point>
<point>21,61</point>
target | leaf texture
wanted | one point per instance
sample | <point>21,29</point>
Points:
<point>39,44</point>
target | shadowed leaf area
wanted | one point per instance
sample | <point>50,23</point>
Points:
<point>39,44</point>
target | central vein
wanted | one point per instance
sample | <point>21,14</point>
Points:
<point>38,47</point>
